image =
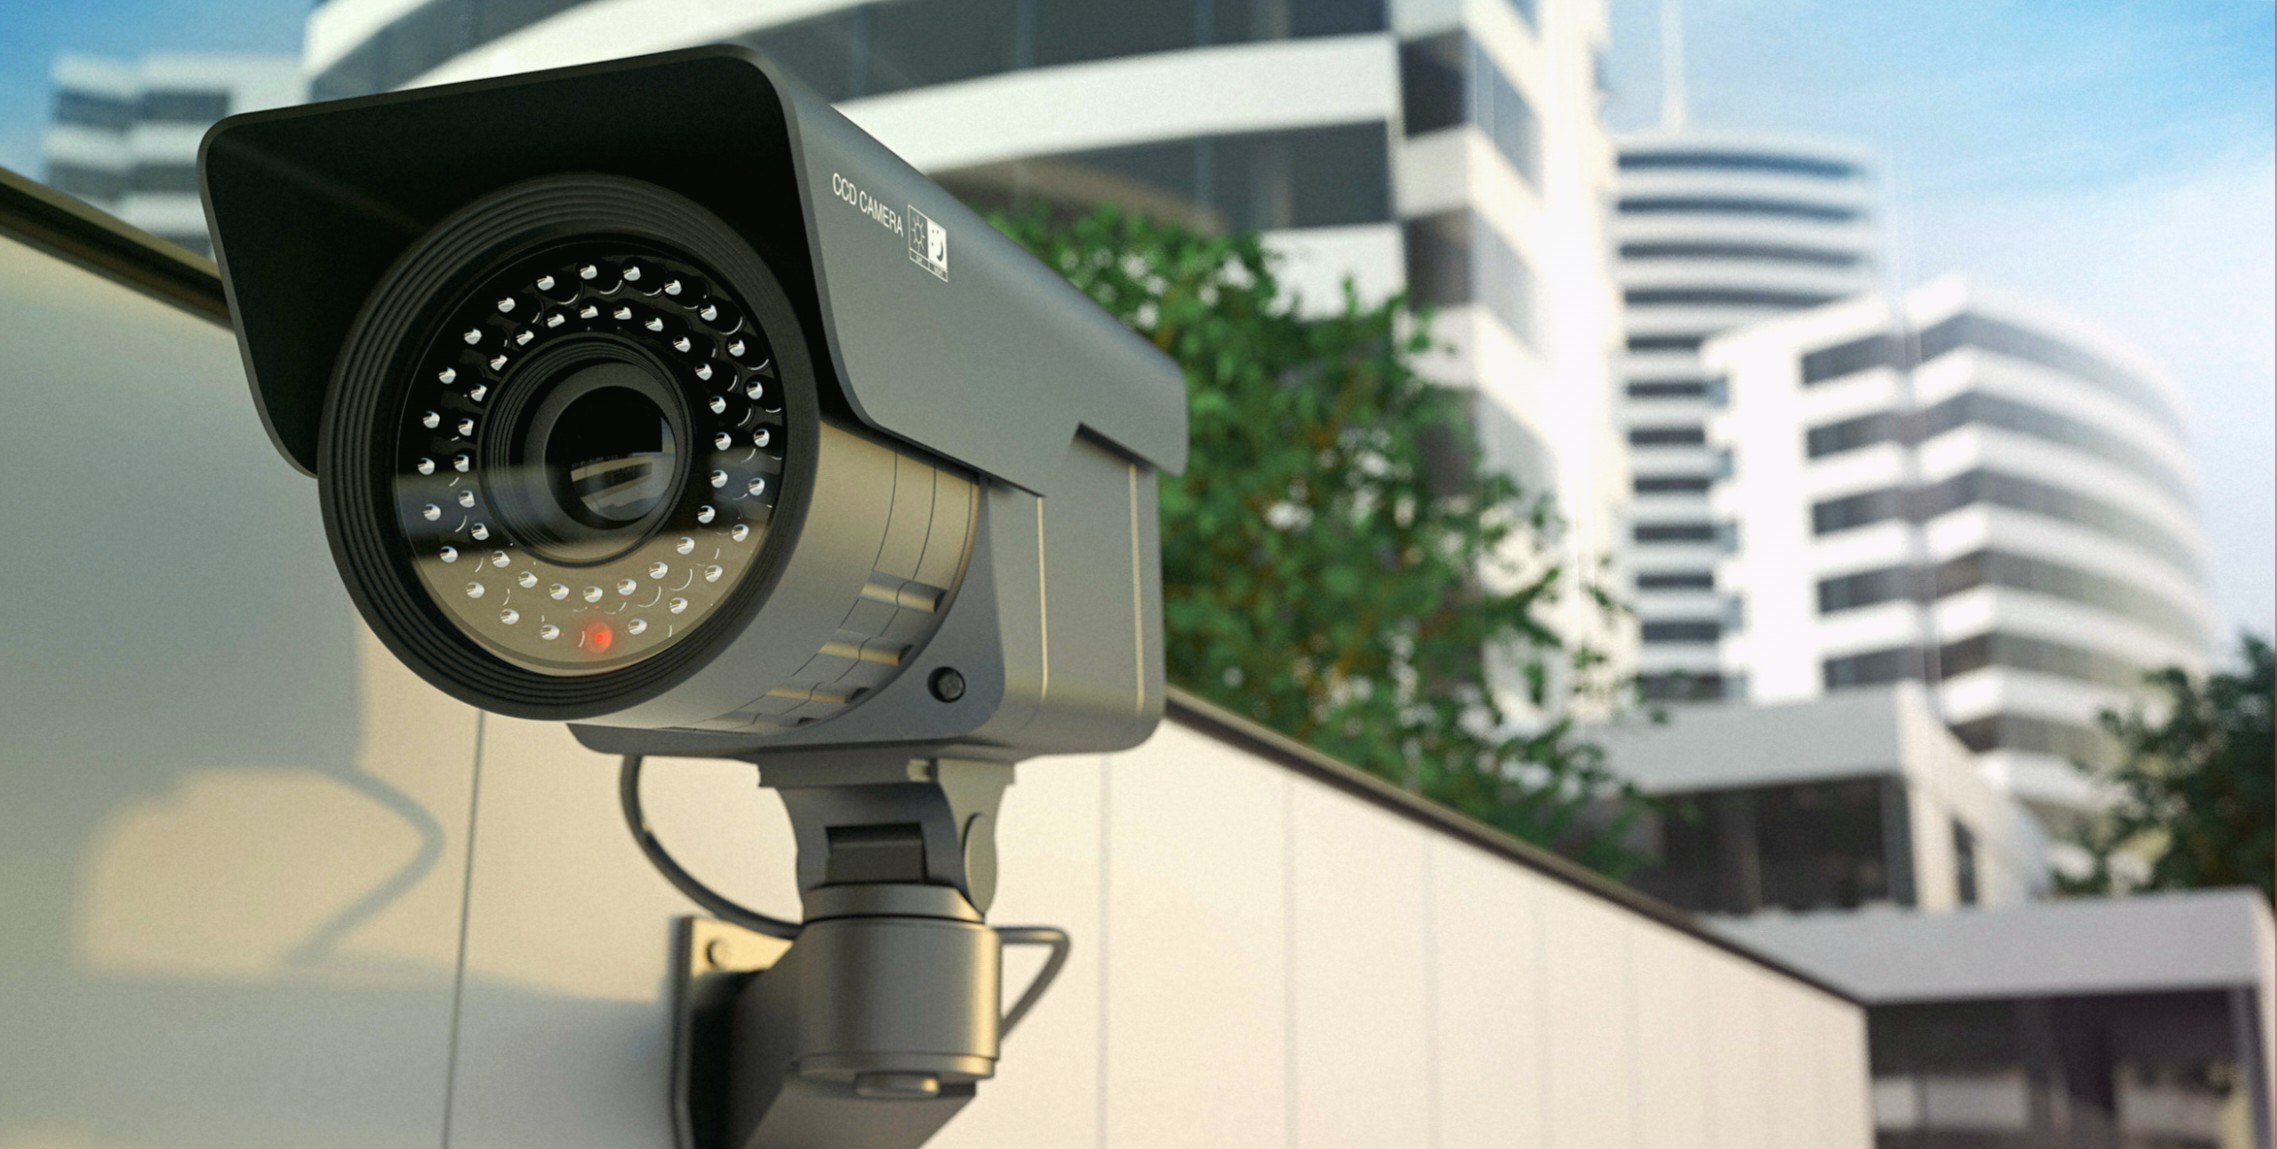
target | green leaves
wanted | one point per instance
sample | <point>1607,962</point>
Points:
<point>1313,578</point>
<point>2196,784</point>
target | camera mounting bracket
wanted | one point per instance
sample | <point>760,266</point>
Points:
<point>873,1026</point>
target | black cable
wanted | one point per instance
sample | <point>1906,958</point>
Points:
<point>628,796</point>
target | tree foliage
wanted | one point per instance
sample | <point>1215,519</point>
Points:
<point>1321,572</point>
<point>2196,781</point>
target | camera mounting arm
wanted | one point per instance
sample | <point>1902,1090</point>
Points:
<point>875,1024</point>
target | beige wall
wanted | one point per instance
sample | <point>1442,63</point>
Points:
<point>235,879</point>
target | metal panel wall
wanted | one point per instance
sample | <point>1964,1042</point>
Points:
<point>239,909</point>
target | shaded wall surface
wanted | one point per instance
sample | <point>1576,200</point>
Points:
<point>264,888</point>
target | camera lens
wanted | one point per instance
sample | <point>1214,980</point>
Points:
<point>589,455</point>
<point>609,457</point>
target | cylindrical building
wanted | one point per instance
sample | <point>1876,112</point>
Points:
<point>1714,231</point>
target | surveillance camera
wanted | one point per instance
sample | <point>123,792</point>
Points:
<point>657,397</point>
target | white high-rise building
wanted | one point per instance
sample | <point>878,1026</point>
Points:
<point>125,134</point>
<point>1967,489</point>
<point>1714,231</point>
<point>1454,149</point>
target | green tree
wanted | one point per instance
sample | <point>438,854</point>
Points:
<point>1325,572</point>
<point>2196,782</point>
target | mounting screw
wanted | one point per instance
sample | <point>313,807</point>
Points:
<point>948,685</point>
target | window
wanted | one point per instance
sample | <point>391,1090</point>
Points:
<point>181,178</point>
<point>2039,655</point>
<point>1964,864</point>
<point>1745,252</point>
<point>1976,408</point>
<point>87,109</point>
<point>1455,258</point>
<point>1076,31</point>
<point>1855,511</point>
<point>919,43</point>
<point>1737,205</point>
<point>1849,358</point>
<point>1674,532</point>
<point>1721,297</point>
<point>1692,435</point>
<point>2001,338</point>
<point>1868,588</point>
<point>1447,80</point>
<point>1309,177</point>
<point>2037,736</point>
<point>97,184</point>
<point>1709,389</point>
<point>1671,484</point>
<point>1678,686</point>
<point>175,106</point>
<point>2037,498</point>
<point>2058,580</point>
<point>1738,161</point>
<point>1682,631</point>
<point>1676,580</point>
<point>1853,434</point>
<point>1649,343</point>
<point>1874,667</point>
<point>1798,846</point>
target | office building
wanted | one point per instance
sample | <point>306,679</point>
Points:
<point>125,134</point>
<point>1714,231</point>
<point>1963,489</point>
<point>1451,149</point>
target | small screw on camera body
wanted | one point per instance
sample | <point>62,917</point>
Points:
<point>948,685</point>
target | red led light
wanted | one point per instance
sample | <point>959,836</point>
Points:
<point>599,636</point>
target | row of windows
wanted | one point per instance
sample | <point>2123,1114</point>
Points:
<point>2036,735</point>
<point>2020,652</point>
<point>1750,252</point>
<point>1736,205</point>
<point>1671,484</point>
<point>1650,343</point>
<point>1722,297</point>
<point>1676,580</point>
<point>1682,631</point>
<point>1448,80</point>
<point>1685,686</point>
<point>893,45</point>
<point>2009,572</point>
<point>1707,159</point>
<point>2058,580</point>
<point>105,184</point>
<point>1975,408</point>
<point>1998,337</point>
<point>1710,389</point>
<point>1306,177</point>
<point>1454,258</point>
<point>1797,847</point>
<point>2003,490</point>
<point>1721,534</point>
<point>1688,435</point>
<point>156,106</point>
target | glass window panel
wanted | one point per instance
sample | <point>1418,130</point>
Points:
<point>823,52</point>
<point>1073,31</point>
<point>918,43</point>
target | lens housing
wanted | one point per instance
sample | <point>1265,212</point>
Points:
<point>562,437</point>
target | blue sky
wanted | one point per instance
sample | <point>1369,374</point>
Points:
<point>2112,158</point>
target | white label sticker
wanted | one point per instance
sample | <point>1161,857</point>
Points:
<point>928,244</point>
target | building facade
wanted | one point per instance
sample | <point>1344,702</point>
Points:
<point>1449,147</point>
<point>125,133</point>
<point>1966,490</point>
<point>1714,231</point>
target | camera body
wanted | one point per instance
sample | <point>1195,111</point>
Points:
<point>656,397</point>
